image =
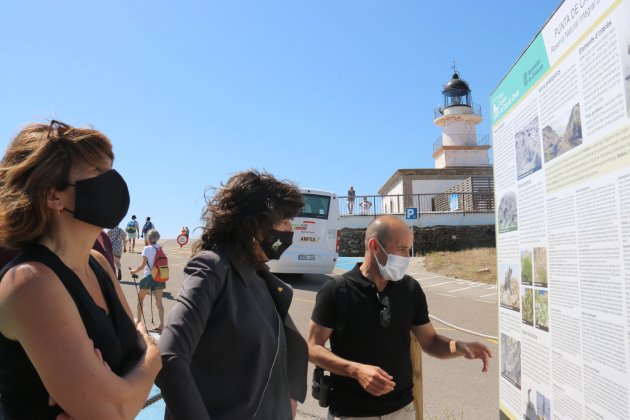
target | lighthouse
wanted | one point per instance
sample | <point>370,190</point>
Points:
<point>459,145</point>
<point>461,181</point>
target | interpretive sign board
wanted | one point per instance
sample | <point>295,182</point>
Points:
<point>561,136</point>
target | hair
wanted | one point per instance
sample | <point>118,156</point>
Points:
<point>37,160</point>
<point>153,236</point>
<point>378,230</point>
<point>381,229</point>
<point>246,207</point>
<point>148,219</point>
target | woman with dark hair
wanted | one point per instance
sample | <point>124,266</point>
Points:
<point>67,338</point>
<point>230,349</point>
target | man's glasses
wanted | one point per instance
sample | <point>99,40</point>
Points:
<point>386,313</point>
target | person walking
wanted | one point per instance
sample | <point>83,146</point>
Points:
<point>148,225</point>
<point>119,245</point>
<point>230,348</point>
<point>378,306</point>
<point>132,229</point>
<point>148,284</point>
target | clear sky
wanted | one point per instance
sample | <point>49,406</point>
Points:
<point>325,93</point>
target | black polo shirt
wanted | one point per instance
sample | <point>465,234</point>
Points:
<point>366,341</point>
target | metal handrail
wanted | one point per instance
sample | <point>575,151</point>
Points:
<point>471,108</point>
<point>480,140</point>
<point>437,203</point>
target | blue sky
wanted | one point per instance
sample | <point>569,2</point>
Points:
<point>324,93</point>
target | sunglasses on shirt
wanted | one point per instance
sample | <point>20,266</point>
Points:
<point>386,313</point>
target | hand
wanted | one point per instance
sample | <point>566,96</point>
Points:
<point>99,356</point>
<point>374,380</point>
<point>63,415</point>
<point>293,408</point>
<point>475,350</point>
<point>146,339</point>
<point>152,354</point>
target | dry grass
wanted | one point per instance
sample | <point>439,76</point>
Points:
<point>478,264</point>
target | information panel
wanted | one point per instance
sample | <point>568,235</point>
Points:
<point>561,135</point>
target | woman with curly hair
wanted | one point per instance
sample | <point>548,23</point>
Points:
<point>67,338</point>
<point>230,349</point>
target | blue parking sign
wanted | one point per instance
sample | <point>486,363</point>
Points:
<point>411,213</point>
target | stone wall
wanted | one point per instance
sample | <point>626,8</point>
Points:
<point>426,239</point>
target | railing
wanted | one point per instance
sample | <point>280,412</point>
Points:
<point>440,203</point>
<point>463,140</point>
<point>472,108</point>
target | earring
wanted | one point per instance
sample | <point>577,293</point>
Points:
<point>59,211</point>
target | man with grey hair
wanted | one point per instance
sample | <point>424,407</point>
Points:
<point>368,314</point>
<point>148,284</point>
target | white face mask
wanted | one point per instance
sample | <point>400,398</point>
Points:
<point>395,268</point>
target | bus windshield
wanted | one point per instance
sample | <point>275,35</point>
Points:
<point>315,206</point>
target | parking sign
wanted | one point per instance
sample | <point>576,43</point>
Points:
<point>411,213</point>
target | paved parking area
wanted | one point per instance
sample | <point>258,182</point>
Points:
<point>452,287</point>
<point>464,303</point>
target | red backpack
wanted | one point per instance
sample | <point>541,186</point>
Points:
<point>159,272</point>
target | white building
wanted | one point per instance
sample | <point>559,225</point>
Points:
<point>461,159</point>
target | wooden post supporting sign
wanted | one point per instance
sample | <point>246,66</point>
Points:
<point>416,363</point>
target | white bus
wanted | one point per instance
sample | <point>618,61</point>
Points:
<point>316,236</point>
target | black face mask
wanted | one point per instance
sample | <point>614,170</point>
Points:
<point>102,200</point>
<point>276,243</point>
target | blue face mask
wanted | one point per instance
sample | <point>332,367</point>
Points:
<point>102,200</point>
<point>395,268</point>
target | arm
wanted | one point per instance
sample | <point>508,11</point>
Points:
<point>297,361</point>
<point>204,281</point>
<point>440,346</point>
<point>372,378</point>
<point>139,268</point>
<point>46,322</point>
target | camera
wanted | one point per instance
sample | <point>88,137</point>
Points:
<point>320,386</point>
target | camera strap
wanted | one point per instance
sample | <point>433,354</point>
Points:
<point>341,305</point>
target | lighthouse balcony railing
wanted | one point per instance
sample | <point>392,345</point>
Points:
<point>446,202</point>
<point>463,139</point>
<point>471,108</point>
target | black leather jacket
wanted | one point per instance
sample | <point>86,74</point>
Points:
<point>217,349</point>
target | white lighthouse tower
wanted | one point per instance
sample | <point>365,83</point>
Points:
<point>459,145</point>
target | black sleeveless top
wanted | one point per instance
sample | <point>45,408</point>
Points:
<point>22,392</point>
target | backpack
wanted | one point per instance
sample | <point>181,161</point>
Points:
<point>131,226</point>
<point>147,227</point>
<point>159,272</point>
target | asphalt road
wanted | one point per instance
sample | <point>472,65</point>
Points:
<point>453,389</point>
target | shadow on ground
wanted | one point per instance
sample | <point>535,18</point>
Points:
<point>165,295</point>
<point>310,282</point>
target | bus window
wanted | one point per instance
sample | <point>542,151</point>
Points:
<point>315,236</point>
<point>315,206</point>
